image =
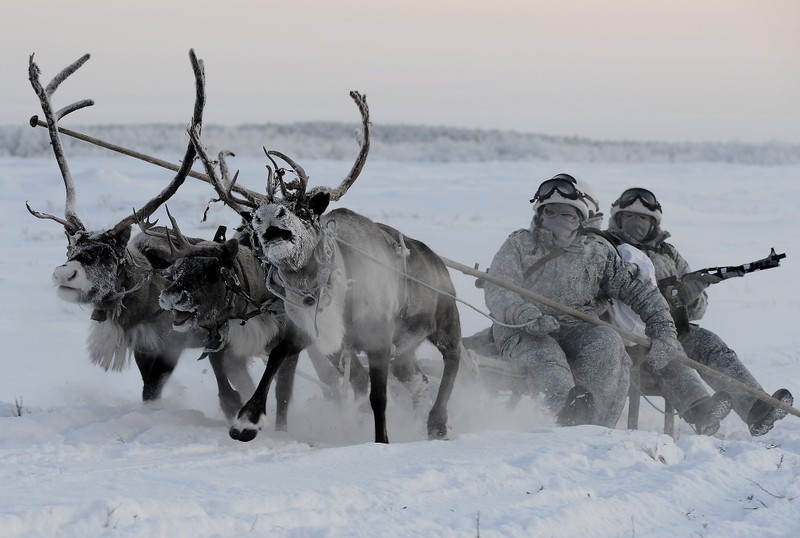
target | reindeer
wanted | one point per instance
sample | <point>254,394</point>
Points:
<point>219,287</point>
<point>117,276</point>
<point>349,283</point>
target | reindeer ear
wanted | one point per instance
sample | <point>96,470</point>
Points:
<point>229,251</point>
<point>318,203</point>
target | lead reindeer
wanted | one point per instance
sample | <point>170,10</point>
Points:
<point>115,275</point>
<point>349,283</point>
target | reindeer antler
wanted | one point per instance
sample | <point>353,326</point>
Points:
<point>188,158</point>
<point>179,246</point>
<point>72,224</point>
<point>223,185</point>
<point>361,102</point>
<point>358,165</point>
<point>347,182</point>
<point>302,177</point>
<point>273,172</point>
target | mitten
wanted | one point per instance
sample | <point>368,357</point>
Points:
<point>542,325</point>
<point>690,289</point>
<point>524,313</point>
<point>662,350</point>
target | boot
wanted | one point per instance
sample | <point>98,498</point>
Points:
<point>706,413</point>
<point>579,408</point>
<point>762,416</point>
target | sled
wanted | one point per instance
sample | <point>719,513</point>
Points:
<point>502,378</point>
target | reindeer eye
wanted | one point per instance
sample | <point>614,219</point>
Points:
<point>280,213</point>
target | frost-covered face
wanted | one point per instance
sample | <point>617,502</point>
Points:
<point>562,221</point>
<point>90,273</point>
<point>636,225</point>
<point>286,237</point>
<point>196,295</point>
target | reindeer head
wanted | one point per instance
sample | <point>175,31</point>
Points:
<point>95,260</point>
<point>286,229</point>
<point>90,274</point>
<point>197,292</point>
<point>286,235</point>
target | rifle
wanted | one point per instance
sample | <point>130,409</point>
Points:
<point>671,286</point>
<point>718,274</point>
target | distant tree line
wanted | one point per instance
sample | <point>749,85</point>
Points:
<point>338,141</point>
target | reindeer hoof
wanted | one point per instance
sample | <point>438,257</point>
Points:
<point>438,431</point>
<point>243,435</point>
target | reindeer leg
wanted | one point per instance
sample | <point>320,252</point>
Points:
<point>253,415</point>
<point>155,370</point>
<point>229,398</point>
<point>284,386</point>
<point>359,377</point>
<point>378,376</point>
<point>437,419</point>
<point>447,340</point>
<point>408,372</point>
<point>327,372</point>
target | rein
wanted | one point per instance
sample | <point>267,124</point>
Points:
<point>217,334</point>
<point>234,289</point>
<point>426,285</point>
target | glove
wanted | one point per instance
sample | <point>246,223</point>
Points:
<point>691,288</point>
<point>542,325</point>
<point>525,313</point>
<point>662,350</point>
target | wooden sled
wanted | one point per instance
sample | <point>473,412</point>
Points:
<point>500,377</point>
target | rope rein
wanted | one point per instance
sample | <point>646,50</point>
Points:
<point>425,284</point>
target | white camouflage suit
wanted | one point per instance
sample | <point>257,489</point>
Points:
<point>585,276</point>
<point>700,344</point>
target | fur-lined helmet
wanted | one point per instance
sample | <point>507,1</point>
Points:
<point>565,189</point>
<point>638,200</point>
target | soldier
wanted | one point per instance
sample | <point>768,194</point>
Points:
<point>679,384</point>
<point>581,369</point>
<point>636,219</point>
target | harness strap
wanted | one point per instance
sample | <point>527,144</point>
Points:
<point>400,249</point>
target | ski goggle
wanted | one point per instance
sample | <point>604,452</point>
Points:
<point>647,198</point>
<point>564,184</point>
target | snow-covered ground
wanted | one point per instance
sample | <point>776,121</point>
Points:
<point>87,458</point>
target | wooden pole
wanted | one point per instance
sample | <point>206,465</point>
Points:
<point>36,122</point>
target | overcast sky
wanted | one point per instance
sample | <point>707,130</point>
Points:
<point>695,70</point>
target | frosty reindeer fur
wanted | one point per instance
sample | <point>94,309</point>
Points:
<point>116,275</point>
<point>218,287</point>
<point>342,280</point>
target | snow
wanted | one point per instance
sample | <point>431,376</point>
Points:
<point>87,458</point>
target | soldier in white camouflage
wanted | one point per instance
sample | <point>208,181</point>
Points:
<point>636,219</point>
<point>679,384</point>
<point>581,369</point>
